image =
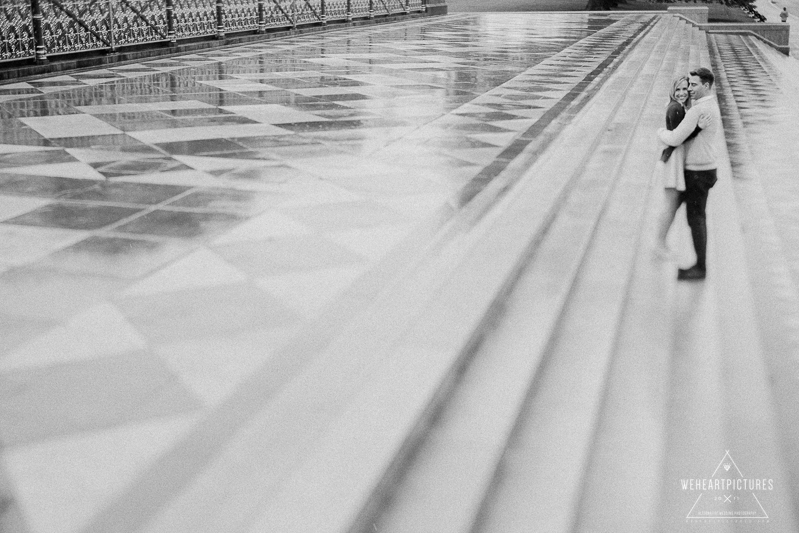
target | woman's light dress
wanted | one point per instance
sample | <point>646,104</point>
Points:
<point>673,169</point>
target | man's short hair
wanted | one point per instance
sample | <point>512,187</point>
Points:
<point>705,75</point>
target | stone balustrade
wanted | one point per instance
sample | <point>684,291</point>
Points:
<point>774,34</point>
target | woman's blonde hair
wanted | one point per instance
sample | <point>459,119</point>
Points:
<point>677,81</point>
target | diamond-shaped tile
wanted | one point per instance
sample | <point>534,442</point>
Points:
<point>97,332</point>
<point>78,125</point>
<point>205,311</point>
<point>61,483</point>
<point>12,206</point>
<point>74,216</point>
<point>287,254</point>
<point>310,292</point>
<point>345,215</point>
<point>114,256</point>
<point>70,169</point>
<point>214,366</point>
<point>63,399</point>
<point>23,244</point>
<point>180,224</point>
<point>201,268</point>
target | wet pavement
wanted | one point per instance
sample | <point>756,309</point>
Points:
<point>472,6</point>
<point>763,86</point>
<point>771,10</point>
<point>168,227</point>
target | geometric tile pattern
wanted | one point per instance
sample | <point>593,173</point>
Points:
<point>168,227</point>
<point>69,398</point>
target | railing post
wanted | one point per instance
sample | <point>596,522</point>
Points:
<point>324,14</point>
<point>371,9</point>
<point>349,10</point>
<point>220,19</point>
<point>38,33</point>
<point>111,37</point>
<point>261,17</point>
<point>170,23</point>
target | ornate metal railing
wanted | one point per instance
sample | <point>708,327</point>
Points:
<point>16,29</point>
<point>38,28</point>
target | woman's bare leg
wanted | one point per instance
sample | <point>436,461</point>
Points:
<point>669,209</point>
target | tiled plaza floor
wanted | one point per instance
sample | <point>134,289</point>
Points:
<point>169,229</point>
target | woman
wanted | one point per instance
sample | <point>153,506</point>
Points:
<point>672,161</point>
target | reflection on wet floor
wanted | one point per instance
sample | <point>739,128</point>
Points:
<point>434,99</point>
<point>175,222</point>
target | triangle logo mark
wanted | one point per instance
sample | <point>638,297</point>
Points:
<point>727,494</point>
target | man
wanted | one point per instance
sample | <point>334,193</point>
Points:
<point>784,14</point>
<point>700,162</point>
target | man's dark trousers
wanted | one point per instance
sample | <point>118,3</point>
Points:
<point>697,186</point>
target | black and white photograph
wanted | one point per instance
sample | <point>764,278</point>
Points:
<point>399,266</point>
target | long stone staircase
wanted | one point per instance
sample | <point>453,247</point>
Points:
<point>761,113</point>
<point>540,370</point>
<point>574,382</point>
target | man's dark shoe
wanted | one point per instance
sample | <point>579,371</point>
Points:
<point>693,273</point>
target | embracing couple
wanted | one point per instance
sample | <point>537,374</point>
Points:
<point>688,163</point>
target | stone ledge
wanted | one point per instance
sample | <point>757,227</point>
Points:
<point>437,7</point>
<point>694,14</point>
<point>776,35</point>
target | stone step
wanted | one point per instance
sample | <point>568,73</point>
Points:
<point>540,483</point>
<point>385,359</point>
<point>664,418</point>
<point>456,463</point>
<point>305,407</point>
<point>363,450</point>
<point>694,57</point>
<point>785,68</point>
<point>628,454</point>
<point>760,129</point>
<point>687,376</point>
<point>735,398</point>
<point>641,444</point>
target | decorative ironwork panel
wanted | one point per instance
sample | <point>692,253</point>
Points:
<point>139,21</point>
<point>195,17</point>
<point>293,12</point>
<point>276,15</point>
<point>16,29</point>
<point>241,15</point>
<point>84,25</point>
<point>336,9</point>
<point>360,8</point>
<point>75,25</point>
<point>389,7</point>
<point>306,11</point>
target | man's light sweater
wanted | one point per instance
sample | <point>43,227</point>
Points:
<point>700,152</point>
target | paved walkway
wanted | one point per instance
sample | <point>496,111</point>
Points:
<point>461,6</point>
<point>395,278</point>
<point>185,233</point>
<point>771,10</point>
